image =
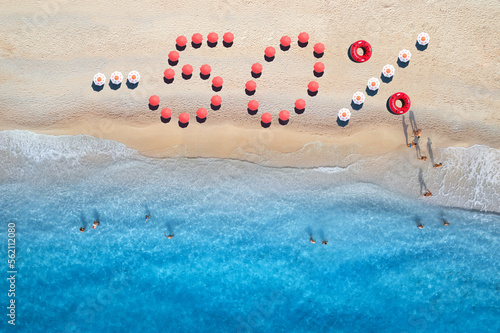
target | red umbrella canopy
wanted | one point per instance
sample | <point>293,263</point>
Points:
<point>166,113</point>
<point>187,69</point>
<point>251,85</point>
<point>253,105</point>
<point>184,118</point>
<point>300,104</point>
<point>154,100</point>
<point>313,86</point>
<point>228,37</point>
<point>169,73</point>
<point>213,37</point>
<point>201,113</point>
<point>216,100</point>
<point>319,48</point>
<point>257,68</point>
<point>217,81</point>
<point>181,41</point>
<point>284,115</point>
<point>303,37</point>
<point>173,55</point>
<point>205,69</point>
<point>270,52</point>
<point>197,38</point>
<point>319,67</point>
<point>266,118</point>
<point>285,41</point>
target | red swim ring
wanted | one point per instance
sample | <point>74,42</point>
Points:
<point>403,98</point>
<point>363,45</point>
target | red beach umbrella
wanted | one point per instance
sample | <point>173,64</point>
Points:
<point>303,37</point>
<point>319,67</point>
<point>300,104</point>
<point>285,41</point>
<point>154,100</point>
<point>313,86</point>
<point>205,69</point>
<point>319,48</point>
<point>216,100</point>
<point>201,113</point>
<point>284,115</point>
<point>251,85</point>
<point>187,69</point>
<point>173,56</point>
<point>184,118</point>
<point>217,81</point>
<point>166,113</point>
<point>266,118</point>
<point>169,73</point>
<point>181,41</point>
<point>270,51</point>
<point>228,37</point>
<point>212,37</point>
<point>197,38</point>
<point>253,105</point>
<point>257,68</point>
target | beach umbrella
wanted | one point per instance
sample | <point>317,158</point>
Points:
<point>319,67</point>
<point>197,38</point>
<point>154,100</point>
<point>216,100</point>
<point>358,98</point>
<point>388,71</point>
<point>319,48</point>
<point>344,114</point>
<point>217,81</point>
<point>404,55</point>
<point>184,118</point>
<point>284,115</point>
<point>373,83</point>
<point>187,69</point>
<point>266,118</point>
<point>251,85</point>
<point>173,56</point>
<point>270,52</point>
<point>99,79</point>
<point>205,69</point>
<point>116,77</point>
<point>166,113</point>
<point>257,68</point>
<point>423,38</point>
<point>285,41</point>
<point>181,41</point>
<point>228,37</point>
<point>201,113</point>
<point>169,73</point>
<point>253,105</point>
<point>300,104</point>
<point>303,37</point>
<point>134,77</point>
<point>313,86</point>
<point>212,37</point>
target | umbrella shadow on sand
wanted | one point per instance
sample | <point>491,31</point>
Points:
<point>95,87</point>
<point>429,149</point>
<point>423,185</point>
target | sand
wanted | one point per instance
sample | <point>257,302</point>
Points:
<point>51,50</point>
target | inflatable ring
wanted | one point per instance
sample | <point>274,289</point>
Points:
<point>401,97</point>
<point>363,45</point>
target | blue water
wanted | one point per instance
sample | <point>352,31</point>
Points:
<point>241,260</point>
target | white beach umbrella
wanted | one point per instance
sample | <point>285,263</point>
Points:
<point>99,79</point>
<point>388,71</point>
<point>358,98</point>
<point>404,55</point>
<point>373,83</point>
<point>344,114</point>
<point>134,77</point>
<point>116,77</point>
<point>423,38</point>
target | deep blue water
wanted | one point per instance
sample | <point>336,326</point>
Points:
<point>241,260</point>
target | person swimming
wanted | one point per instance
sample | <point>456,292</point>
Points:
<point>96,223</point>
<point>427,194</point>
<point>420,225</point>
<point>438,165</point>
<point>169,236</point>
<point>445,222</point>
<point>418,133</point>
<point>324,242</point>
<point>82,229</point>
<point>422,158</point>
<point>312,240</point>
<point>148,217</point>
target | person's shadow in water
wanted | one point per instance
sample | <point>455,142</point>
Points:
<point>83,220</point>
<point>405,129</point>
<point>423,185</point>
<point>309,232</point>
<point>418,220</point>
<point>147,211</point>
<point>429,149</point>
<point>96,215</point>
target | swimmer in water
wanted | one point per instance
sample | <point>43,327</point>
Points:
<point>82,229</point>
<point>445,222</point>
<point>169,236</point>
<point>438,165</point>
<point>418,133</point>
<point>324,242</point>
<point>420,226</point>
<point>422,158</point>
<point>312,240</point>
<point>148,217</point>
<point>427,194</point>
<point>96,223</point>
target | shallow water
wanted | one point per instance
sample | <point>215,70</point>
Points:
<point>241,260</point>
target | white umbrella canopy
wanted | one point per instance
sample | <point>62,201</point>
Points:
<point>373,83</point>
<point>358,98</point>
<point>404,55</point>
<point>99,79</point>
<point>116,77</point>
<point>388,71</point>
<point>134,77</point>
<point>344,114</point>
<point>423,38</point>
